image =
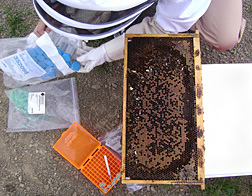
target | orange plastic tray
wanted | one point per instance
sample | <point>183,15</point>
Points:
<point>86,153</point>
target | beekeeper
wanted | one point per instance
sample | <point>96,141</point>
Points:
<point>219,22</point>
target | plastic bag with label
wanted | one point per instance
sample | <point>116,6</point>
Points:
<point>32,60</point>
<point>45,106</point>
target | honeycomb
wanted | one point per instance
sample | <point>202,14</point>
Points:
<point>161,127</point>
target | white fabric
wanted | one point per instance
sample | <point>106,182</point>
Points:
<point>179,15</point>
<point>115,48</point>
<point>31,40</point>
<point>82,49</point>
<point>92,59</point>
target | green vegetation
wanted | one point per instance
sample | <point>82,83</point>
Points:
<point>166,186</point>
<point>227,187</point>
<point>16,22</point>
<point>103,68</point>
<point>223,186</point>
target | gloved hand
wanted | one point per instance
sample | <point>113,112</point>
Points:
<point>92,58</point>
<point>82,49</point>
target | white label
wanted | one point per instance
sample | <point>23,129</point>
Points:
<point>36,103</point>
<point>21,66</point>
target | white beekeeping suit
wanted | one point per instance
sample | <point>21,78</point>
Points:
<point>220,23</point>
<point>172,16</point>
<point>179,15</point>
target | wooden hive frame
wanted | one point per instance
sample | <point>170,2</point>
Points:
<point>198,110</point>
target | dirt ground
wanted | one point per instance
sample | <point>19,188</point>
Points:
<point>29,164</point>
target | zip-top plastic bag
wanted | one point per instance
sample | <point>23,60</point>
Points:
<point>32,60</point>
<point>112,139</point>
<point>45,106</point>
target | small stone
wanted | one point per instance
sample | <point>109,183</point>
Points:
<point>114,85</point>
<point>96,87</point>
<point>22,185</point>
<point>20,178</point>
<point>49,181</point>
<point>153,190</point>
<point>46,187</point>
<point>58,190</point>
<point>74,194</point>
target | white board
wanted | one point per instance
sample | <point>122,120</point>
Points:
<point>227,103</point>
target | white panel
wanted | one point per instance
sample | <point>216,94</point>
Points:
<point>227,103</point>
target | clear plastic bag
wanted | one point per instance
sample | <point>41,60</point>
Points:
<point>45,106</point>
<point>32,60</point>
<point>112,139</point>
<point>9,46</point>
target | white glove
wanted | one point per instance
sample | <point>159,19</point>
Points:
<point>82,49</point>
<point>93,58</point>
